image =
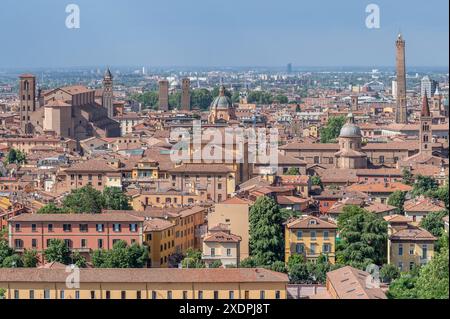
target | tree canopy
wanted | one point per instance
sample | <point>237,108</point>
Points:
<point>331,131</point>
<point>397,199</point>
<point>363,238</point>
<point>266,231</point>
<point>121,256</point>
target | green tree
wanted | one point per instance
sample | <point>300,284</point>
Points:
<point>424,184</point>
<point>441,193</point>
<point>114,198</point>
<point>407,177</point>
<point>433,281</point>
<point>293,171</point>
<point>121,256</point>
<point>331,131</point>
<point>149,100</point>
<point>281,99</point>
<point>84,200</point>
<point>30,258</point>
<point>403,287</point>
<point>51,208</point>
<point>248,262</point>
<point>278,266</point>
<point>316,181</point>
<point>266,231</point>
<point>5,250</point>
<point>13,261</point>
<point>397,199</point>
<point>389,272</point>
<point>57,251</point>
<point>201,98</point>
<point>300,274</point>
<point>78,260</point>
<point>295,259</point>
<point>175,100</point>
<point>363,238</point>
<point>259,97</point>
<point>193,259</point>
<point>433,222</point>
<point>2,293</point>
<point>215,264</point>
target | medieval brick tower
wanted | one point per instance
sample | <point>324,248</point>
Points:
<point>401,112</point>
<point>426,135</point>
<point>164,95</point>
<point>27,94</point>
<point>107,98</point>
<point>186,94</point>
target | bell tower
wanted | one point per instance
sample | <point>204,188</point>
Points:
<point>107,98</point>
<point>27,95</point>
<point>426,135</point>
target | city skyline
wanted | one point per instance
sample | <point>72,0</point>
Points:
<point>323,34</point>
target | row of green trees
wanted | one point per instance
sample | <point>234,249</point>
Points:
<point>89,200</point>
<point>15,157</point>
<point>202,98</point>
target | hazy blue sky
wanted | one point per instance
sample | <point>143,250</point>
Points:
<point>221,33</point>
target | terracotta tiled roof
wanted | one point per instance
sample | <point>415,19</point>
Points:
<point>222,237</point>
<point>290,200</point>
<point>92,165</point>
<point>107,217</point>
<point>237,201</point>
<point>140,275</point>
<point>423,204</point>
<point>413,233</point>
<point>393,219</point>
<point>380,187</point>
<point>157,224</point>
<point>311,222</point>
<point>351,283</point>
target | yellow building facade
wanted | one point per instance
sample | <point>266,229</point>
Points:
<point>171,283</point>
<point>310,237</point>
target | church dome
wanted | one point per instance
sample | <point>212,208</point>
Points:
<point>222,101</point>
<point>350,129</point>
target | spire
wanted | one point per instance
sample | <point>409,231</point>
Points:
<point>108,73</point>
<point>222,90</point>
<point>437,93</point>
<point>425,107</point>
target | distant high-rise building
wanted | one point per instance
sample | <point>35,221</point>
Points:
<point>164,95</point>
<point>401,111</point>
<point>394,89</point>
<point>107,97</point>
<point>427,86</point>
<point>27,95</point>
<point>186,94</point>
<point>289,68</point>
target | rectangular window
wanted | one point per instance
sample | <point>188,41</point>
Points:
<point>313,249</point>
<point>17,227</point>
<point>216,294</point>
<point>213,252</point>
<point>108,294</point>
<point>100,243</point>
<point>169,294</point>
<point>83,228</point>
<point>411,249</point>
<point>123,295</point>
<point>100,228</point>
<point>83,243</point>
<point>400,250</point>
<point>262,294</point>
<point>67,227</point>
<point>154,296</point>
<point>299,248</point>
<point>34,243</point>
<point>299,234</point>
<point>117,228</point>
<point>326,248</point>
<point>33,228</point>
<point>325,234</point>
<point>185,294</point>
<point>424,251</point>
<point>50,227</point>
<point>313,235</point>
<point>31,294</point>
<point>16,294</point>
<point>133,228</point>
<point>200,294</point>
<point>92,294</point>
<point>277,294</point>
<point>229,252</point>
<point>46,294</point>
<point>138,295</point>
<point>61,294</point>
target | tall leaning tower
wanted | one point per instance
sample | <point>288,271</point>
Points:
<point>400,112</point>
<point>27,94</point>
<point>107,98</point>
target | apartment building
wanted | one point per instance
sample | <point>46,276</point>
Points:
<point>220,245</point>
<point>81,232</point>
<point>311,237</point>
<point>408,245</point>
<point>159,237</point>
<point>145,283</point>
